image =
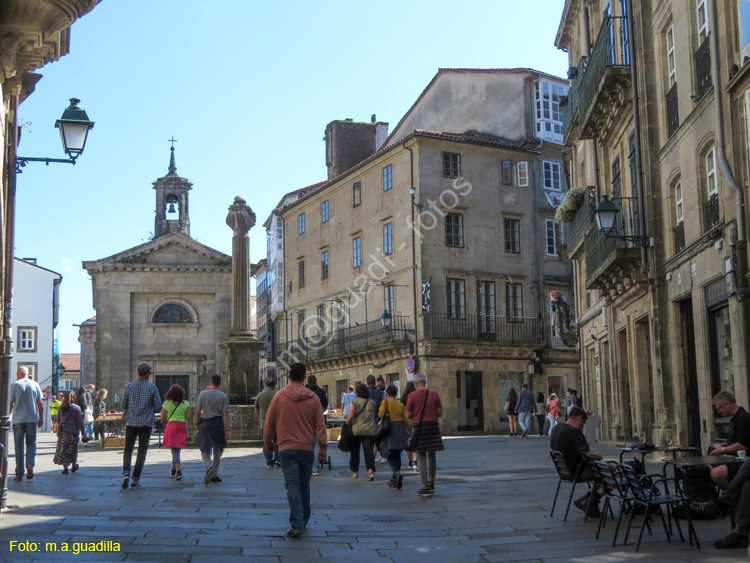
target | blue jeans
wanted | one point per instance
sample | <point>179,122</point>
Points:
<point>272,458</point>
<point>524,419</point>
<point>89,430</point>
<point>27,431</point>
<point>297,467</point>
<point>175,455</point>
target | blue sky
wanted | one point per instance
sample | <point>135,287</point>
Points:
<point>247,89</point>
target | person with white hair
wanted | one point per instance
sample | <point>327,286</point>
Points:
<point>423,408</point>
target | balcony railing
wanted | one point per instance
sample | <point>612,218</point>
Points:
<point>711,215</point>
<point>673,115</point>
<point>570,111</point>
<point>679,237</point>
<point>703,69</point>
<point>343,341</point>
<point>584,216</point>
<point>484,328</point>
<point>602,251</point>
<point>610,57</point>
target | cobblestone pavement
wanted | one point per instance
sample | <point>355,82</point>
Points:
<point>492,501</point>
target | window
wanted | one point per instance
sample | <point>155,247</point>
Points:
<point>388,299</point>
<point>451,165</point>
<point>551,176</point>
<point>454,229</point>
<point>551,237</point>
<point>548,113</point>
<point>342,386</point>
<point>324,265</point>
<point>702,20</point>
<point>744,7</point>
<point>301,272</point>
<point>357,194</point>
<point>456,298</point>
<point>388,238</point>
<point>671,57</point>
<point>26,339</point>
<point>522,174</point>
<point>357,252</point>
<point>679,214</point>
<point>301,222</point>
<point>512,235</point>
<point>324,212</point>
<point>487,307</point>
<point>321,319</point>
<point>514,302</point>
<point>507,172</point>
<point>301,325</point>
<point>711,172</point>
<point>387,178</point>
<point>172,313</point>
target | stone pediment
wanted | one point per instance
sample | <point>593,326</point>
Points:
<point>174,251</point>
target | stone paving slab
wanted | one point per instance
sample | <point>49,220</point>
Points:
<point>492,504</point>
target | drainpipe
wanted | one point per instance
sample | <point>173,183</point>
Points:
<point>594,144</point>
<point>413,253</point>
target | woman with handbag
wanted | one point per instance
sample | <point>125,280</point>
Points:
<point>71,422</point>
<point>362,419</point>
<point>411,456</point>
<point>510,407</point>
<point>100,407</point>
<point>398,433</point>
<point>424,409</point>
<point>83,400</point>
<point>176,411</point>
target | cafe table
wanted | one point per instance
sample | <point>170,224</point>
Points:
<point>674,450</point>
<point>114,431</point>
<point>679,465</point>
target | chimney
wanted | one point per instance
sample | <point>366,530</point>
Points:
<point>348,143</point>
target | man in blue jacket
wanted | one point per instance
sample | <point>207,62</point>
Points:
<point>525,407</point>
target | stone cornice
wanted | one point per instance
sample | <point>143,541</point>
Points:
<point>34,33</point>
<point>94,267</point>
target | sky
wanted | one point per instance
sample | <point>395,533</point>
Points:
<point>246,88</point>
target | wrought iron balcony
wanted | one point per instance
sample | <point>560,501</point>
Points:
<point>702,59</point>
<point>679,236</point>
<point>711,214</point>
<point>583,218</point>
<point>343,341</point>
<point>609,259</point>
<point>673,114</point>
<point>570,111</point>
<point>484,328</point>
<point>605,86</point>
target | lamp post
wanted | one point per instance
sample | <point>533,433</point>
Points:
<point>58,373</point>
<point>74,126</point>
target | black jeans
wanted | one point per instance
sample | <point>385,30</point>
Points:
<point>738,494</point>
<point>367,446</point>
<point>394,460</point>
<point>540,421</point>
<point>143,433</point>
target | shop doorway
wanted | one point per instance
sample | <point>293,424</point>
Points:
<point>692,399</point>
<point>469,400</point>
<point>623,374</point>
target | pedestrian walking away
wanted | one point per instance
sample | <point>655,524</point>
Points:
<point>71,423</point>
<point>511,400</point>
<point>376,394</point>
<point>362,419</point>
<point>262,402</point>
<point>176,411</point>
<point>424,409</point>
<point>552,412</point>
<point>540,412</point>
<point>26,416</point>
<point>140,403</point>
<point>526,407</point>
<point>398,434</point>
<point>100,408</point>
<point>295,419</point>
<point>54,407</point>
<point>84,402</point>
<point>312,385</point>
<point>212,421</point>
<point>346,400</point>
<point>411,456</point>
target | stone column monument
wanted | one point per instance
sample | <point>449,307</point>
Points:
<point>242,348</point>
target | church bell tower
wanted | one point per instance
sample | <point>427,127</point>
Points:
<point>172,202</point>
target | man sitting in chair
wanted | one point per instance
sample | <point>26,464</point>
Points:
<point>737,494</point>
<point>738,439</point>
<point>568,439</point>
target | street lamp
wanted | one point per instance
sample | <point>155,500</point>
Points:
<point>59,370</point>
<point>606,213</point>
<point>262,352</point>
<point>385,319</point>
<point>74,126</point>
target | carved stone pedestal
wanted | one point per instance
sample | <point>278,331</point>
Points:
<point>241,367</point>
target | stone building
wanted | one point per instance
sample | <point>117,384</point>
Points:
<point>166,302</point>
<point>453,276</point>
<point>661,308</point>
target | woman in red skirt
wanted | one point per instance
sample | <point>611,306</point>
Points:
<point>175,410</point>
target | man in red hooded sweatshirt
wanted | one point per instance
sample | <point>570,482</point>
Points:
<point>296,420</point>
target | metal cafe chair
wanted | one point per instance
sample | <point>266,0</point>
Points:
<point>647,495</point>
<point>616,490</point>
<point>566,475</point>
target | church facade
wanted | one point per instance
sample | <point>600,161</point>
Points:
<point>166,302</point>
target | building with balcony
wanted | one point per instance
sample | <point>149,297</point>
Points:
<point>662,132</point>
<point>439,249</point>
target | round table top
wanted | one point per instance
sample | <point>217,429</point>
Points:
<point>705,460</point>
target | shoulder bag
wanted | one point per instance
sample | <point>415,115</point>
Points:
<point>384,424</point>
<point>411,445</point>
<point>347,432</point>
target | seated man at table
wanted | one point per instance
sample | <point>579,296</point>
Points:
<point>568,439</point>
<point>738,440</point>
<point>737,494</point>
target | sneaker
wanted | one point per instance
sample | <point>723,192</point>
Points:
<point>732,541</point>
<point>209,476</point>
<point>294,533</point>
<point>278,464</point>
<point>392,482</point>
<point>172,473</point>
<point>18,478</point>
<point>125,481</point>
<point>65,471</point>
<point>371,476</point>
<point>411,465</point>
<point>135,484</point>
<point>29,472</point>
<point>178,476</point>
<point>75,467</point>
<point>525,434</point>
<point>399,481</point>
<point>379,459</point>
<point>216,479</point>
<point>270,466</point>
<point>416,467</point>
<point>316,473</point>
<point>383,460</point>
<point>424,492</point>
<point>432,489</point>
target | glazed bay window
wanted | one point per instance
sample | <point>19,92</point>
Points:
<point>547,97</point>
<point>357,194</point>
<point>301,273</point>
<point>551,237</point>
<point>454,230</point>
<point>512,235</point>
<point>388,238</point>
<point>451,165</point>
<point>456,292</point>
<point>324,265</point>
<point>552,171</point>
<point>301,223</point>
<point>26,339</point>
<point>324,212</point>
<point>387,178</point>
<point>514,302</point>
<point>356,252</point>
<point>522,174</point>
